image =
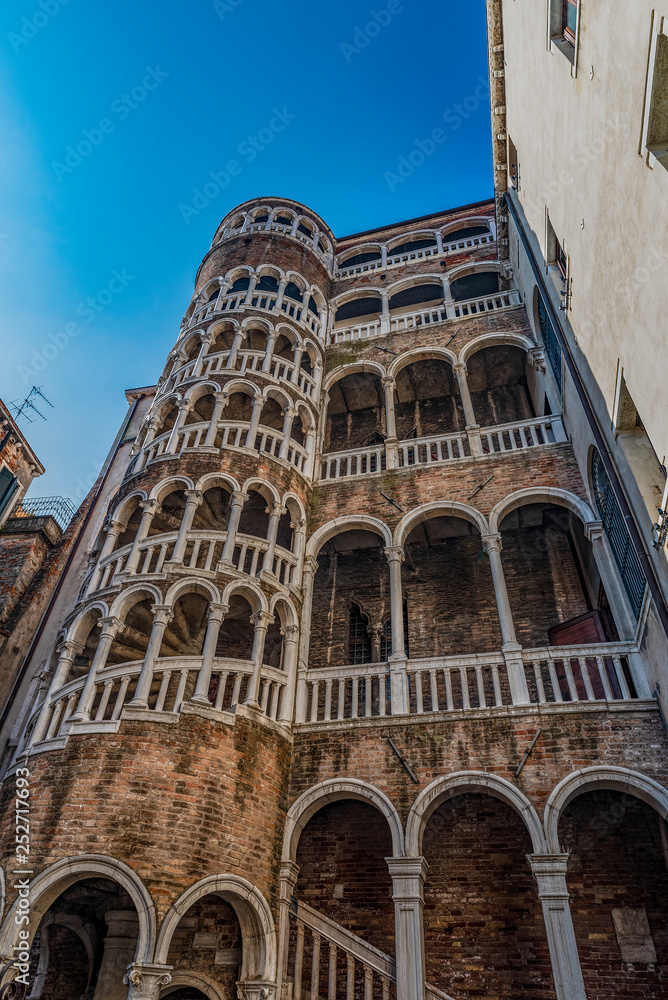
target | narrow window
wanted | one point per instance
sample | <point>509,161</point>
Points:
<point>655,131</point>
<point>561,260</point>
<point>550,342</point>
<point>617,534</point>
<point>513,165</point>
<point>359,639</point>
<point>569,20</point>
<point>8,486</point>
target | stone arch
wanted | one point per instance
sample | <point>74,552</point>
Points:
<point>356,251</point>
<point>192,585</point>
<point>46,887</point>
<point>253,913</point>
<point>421,354</point>
<point>494,340</point>
<point>170,485</point>
<point>369,367</point>
<point>469,222</point>
<point>439,508</point>
<point>588,779</point>
<point>356,293</point>
<point>267,490</point>
<point>462,270</point>
<point>460,783</point>
<point>127,506</point>
<point>79,625</point>
<point>414,280</point>
<point>212,479</point>
<point>241,385</point>
<point>289,615</point>
<point>350,522</point>
<point>294,504</point>
<point>334,790</point>
<point>132,596</point>
<point>201,389</point>
<point>249,590</point>
<point>199,980</point>
<point>547,494</point>
<point>409,237</point>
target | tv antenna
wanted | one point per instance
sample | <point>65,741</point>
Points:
<point>28,407</point>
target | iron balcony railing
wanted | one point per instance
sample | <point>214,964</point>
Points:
<point>61,509</point>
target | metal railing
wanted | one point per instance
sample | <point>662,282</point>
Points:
<point>60,509</point>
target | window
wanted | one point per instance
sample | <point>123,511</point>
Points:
<point>558,266</point>
<point>561,260</point>
<point>550,342</point>
<point>8,487</point>
<point>655,127</point>
<point>569,20</point>
<point>617,534</point>
<point>292,291</point>
<point>632,438</point>
<point>386,636</point>
<point>513,165</point>
<point>359,640</point>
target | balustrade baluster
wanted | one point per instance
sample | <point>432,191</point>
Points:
<point>162,693</point>
<point>220,693</point>
<point>570,679</point>
<point>331,984</point>
<point>162,555</point>
<point>368,983</point>
<point>195,553</point>
<point>104,701</point>
<point>386,987</point>
<point>275,694</point>
<point>264,697</point>
<point>355,693</point>
<point>209,556</point>
<point>447,677</point>
<point>242,557</point>
<point>554,680</point>
<point>367,697</point>
<point>120,698</point>
<point>328,700</point>
<point>236,689</point>
<point>55,719</point>
<point>482,702</point>
<point>350,978</point>
<point>341,699</point>
<point>381,695</point>
<point>464,679</point>
<point>433,690</point>
<point>180,691</point>
<point>315,967</point>
<point>418,692</point>
<point>621,679</point>
<point>315,686</point>
<point>605,680</point>
<point>584,670</point>
<point>70,706</point>
<point>539,682</point>
<point>498,698</point>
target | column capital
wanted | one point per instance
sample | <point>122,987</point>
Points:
<point>207,338</point>
<point>68,649</point>
<point>186,405</point>
<point>289,872</point>
<point>460,368</point>
<point>239,498</point>
<point>394,553</point>
<point>549,864</point>
<point>310,565</point>
<point>217,612</point>
<point>146,980</point>
<point>389,382</point>
<point>262,619</point>
<point>113,524</point>
<point>492,542</point>
<point>593,530</point>
<point>277,510</point>
<point>299,525</point>
<point>194,496</point>
<point>110,625</point>
<point>536,358</point>
<point>162,614</point>
<point>150,506</point>
<point>290,632</point>
<point>222,395</point>
<point>408,868</point>
<point>256,991</point>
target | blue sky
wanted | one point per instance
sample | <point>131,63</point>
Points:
<point>98,242</point>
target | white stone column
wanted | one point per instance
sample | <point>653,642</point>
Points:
<point>385,312</point>
<point>261,620</point>
<point>269,353</point>
<point>239,498</point>
<point>275,515</point>
<point>185,406</point>
<point>289,876</point>
<point>408,878</point>
<point>251,434</point>
<point>383,256</point>
<point>120,944</point>
<point>512,651</point>
<point>234,349</point>
<point>297,359</point>
<point>391,443</point>
<point>439,242</point>
<point>309,446</point>
<point>149,509</point>
<point>317,377</point>
<point>270,219</point>
<point>472,427</point>
<point>207,341</point>
<point>147,981</point>
<point>310,569</point>
<point>215,619</point>
<point>397,659</point>
<point>251,289</point>
<point>221,398</point>
<point>290,648</point>
<point>66,653</point>
<point>162,615</point>
<point>282,285</point>
<point>114,529</point>
<point>193,501</point>
<point>298,542</point>
<point>110,627</point>
<point>549,870</point>
<point>289,415</point>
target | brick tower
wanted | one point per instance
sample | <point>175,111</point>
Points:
<point>343,694</point>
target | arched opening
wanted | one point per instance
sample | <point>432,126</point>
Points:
<point>88,634</point>
<point>415,295</point>
<point>207,942</point>
<point>618,884</point>
<point>474,286</point>
<point>554,587</point>
<point>171,412</point>
<point>223,341</point>
<point>202,410</point>
<point>271,416</point>
<point>351,599</point>
<point>497,380</point>
<point>297,430</point>
<point>363,306</point>
<point>239,405</point>
<point>184,635</point>
<point>343,876</point>
<point>448,588</point>
<point>129,532</point>
<point>482,910</point>
<point>169,514</point>
<point>84,943</point>
<point>466,233</point>
<point>427,400</point>
<point>254,518</point>
<point>410,246</point>
<point>364,257</point>
<point>283,348</point>
<point>131,642</point>
<point>256,341</point>
<point>355,413</point>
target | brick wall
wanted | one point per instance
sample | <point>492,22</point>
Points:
<point>483,921</point>
<point>618,860</point>
<point>219,956</point>
<point>67,973</point>
<point>21,555</point>
<point>253,249</point>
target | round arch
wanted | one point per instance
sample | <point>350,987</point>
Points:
<point>198,980</point>
<point>370,367</point>
<point>482,266</point>
<point>74,626</point>
<point>413,281</point>
<point>335,790</point>
<point>494,340</point>
<point>54,880</point>
<point>588,779</point>
<point>472,220</point>
<point>446,787</point>
<point>351,522</point>
<point>267,490</point>
<point>250,591</point>
<point>191,585</point>
<point>439,508</point>
<point>548,494</point>
<point>128,598</point>
<point>410,237</point>
<point>257,925</point>
<point>211,479</point>
<point>421,354</point>
<point>355,293</point>
<point>171,485</point>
